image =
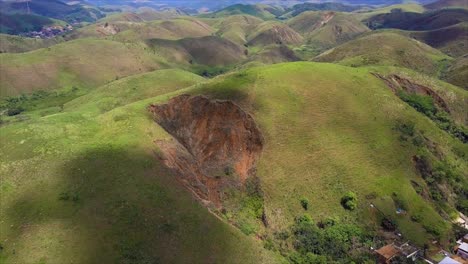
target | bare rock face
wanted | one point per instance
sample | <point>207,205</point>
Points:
<point>216,144</point>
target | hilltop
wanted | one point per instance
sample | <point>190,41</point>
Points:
<point>416,21</point>
<point>83,63</point>
<point>265,12</point>
<point>447,4</point>
<point>327,29</point>
<point>53,9</point>
<point>457,73</point>
<point>386,48</point>
<point>103,165</point>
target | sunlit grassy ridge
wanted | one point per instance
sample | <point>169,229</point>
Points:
<point>84,186</point>
<point>386,48</point>
<point>85,179</point>
<point>83,63</point>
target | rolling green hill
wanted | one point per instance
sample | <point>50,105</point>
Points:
<point>16,44</point>
<point>418,21</point>
<point>91,181</point>
<point>447,4</point>
<point>328,6</point>
<point>208,51</point>
<point>272,32</point>
<point>91,187</point>
<point>237,28</point>
<point>407,7</point>
<point>451,40</point>
<point>82,63</point>
<point>327,29</point>
<point>265,12</point>
<point>384,48</point>
<point>53,9</point>
<point>457,73</point>
<point>139,31</point>
<point>15,24</point>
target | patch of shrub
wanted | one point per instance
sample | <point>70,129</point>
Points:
<point>422,103</point>
<point>14,111</point>
<point>334,240</point>
<point>305,203</point>
<point>416,217</point>
<point>349,201</point>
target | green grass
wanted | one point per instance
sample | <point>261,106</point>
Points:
<point>328,129</point>
<point>389,49</point>
<point>409,7</point>
<point>84,186</point>
<point>83,63</point>
<point>341,27</point>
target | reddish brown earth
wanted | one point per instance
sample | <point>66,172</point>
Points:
<point>396,83</point>
<point>215,144</point>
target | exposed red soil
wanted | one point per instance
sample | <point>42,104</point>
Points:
<point>216,144</point>
<point>396,83</point>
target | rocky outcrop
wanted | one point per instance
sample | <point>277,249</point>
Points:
<point>215,144</point>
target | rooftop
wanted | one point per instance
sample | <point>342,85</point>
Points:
<point>388,251</point>
<point>448,260</point>
<point>464,247</point>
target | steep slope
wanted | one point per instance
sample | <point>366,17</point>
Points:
<point>265,12</point>
<point>274,54</point>
<point>330,6</point>
<point>237,28</point>
<point>387,49</point>
<point>451,40</point>
<point>91,186</point>
<point>323,130</point>
<point>327,29</point>
<point>15,24</point>
<point>416,21</point>
<point>457,73</point>
<point>54,9</point>
<point>210,51</point>
<point>16,44</point>
<point>274,33</point>
<point>97,185</point>
<point>447,4</point>
<point>83,63</point>
<point>135,31</point>
<point>408,7</point>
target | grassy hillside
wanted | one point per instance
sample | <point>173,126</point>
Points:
<point>274,33</point>
<point>457,73</point>
<point>90,190</point>
<point>384,48</point>
<point>100,195</point>
<point>135,31</point>
<point>16,44</point>
<point>192,52</point>
<point>237,28</point>
<point>265,12</point>
<point>416,21</point>
<point>329,6</point>
<point>408,7</point>
<point>82,63</point>
<point>447,4</point>
<point>20,23</point>
<point>53,9</point>
<point>450,40</point>
<point>327,29</point>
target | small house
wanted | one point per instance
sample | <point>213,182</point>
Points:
<point>462,250</point>
<point>386,253</point>
<point>449,260</point>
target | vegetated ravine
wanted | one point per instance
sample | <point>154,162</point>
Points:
<point>215,144</point>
